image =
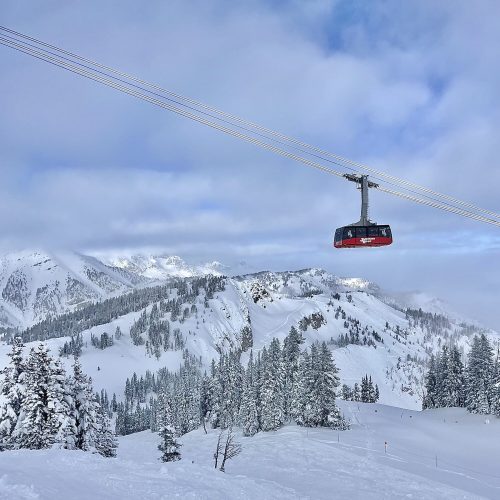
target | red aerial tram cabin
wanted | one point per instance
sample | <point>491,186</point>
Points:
<point>362,236</point>
<point>364,233</point>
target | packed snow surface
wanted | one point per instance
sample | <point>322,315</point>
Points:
<point>438,454</point>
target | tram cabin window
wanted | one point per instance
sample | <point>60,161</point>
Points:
<point>348,233</point>
<point>385,232</point>
<point>361,232</point>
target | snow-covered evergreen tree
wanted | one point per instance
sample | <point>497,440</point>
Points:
<point>365,390</point>
<point>249,416</point>
<point>480,391</point>
<point>63,406</point>
<point>455,379</point>
<point>42,411</point>
<point>44,408</point>
<point>217,391</point>
<point>356,393</point>
<point>442,379</point>
<point>13,391</point>
<point>206,400</point>
<point>371,391</point>
<point>231,386</point>
<point>169,445</point>
<point>272,400</point>
<point>314,401</point>
<point>291,358</point>
<point>430,399</point>
<point>347,393</point>
<point>105,439</point>
<point>86,408</point>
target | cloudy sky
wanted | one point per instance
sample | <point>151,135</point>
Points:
<point>411,88</point>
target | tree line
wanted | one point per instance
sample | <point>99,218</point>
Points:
<point>474,385</point>
<point>283,383</point>
<point>366,392</point>
<point>172,296</point>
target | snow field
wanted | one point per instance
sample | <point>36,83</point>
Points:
<point>293,462</point>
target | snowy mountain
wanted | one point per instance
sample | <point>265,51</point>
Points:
<point>38,284</point>
<point>368,331</point>
<point>35,285</point>
<point>142,320</point>
<point>161,267</point>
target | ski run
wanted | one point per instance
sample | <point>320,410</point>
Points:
<point>436,454</point>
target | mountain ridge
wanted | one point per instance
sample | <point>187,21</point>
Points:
<point>368,330</point>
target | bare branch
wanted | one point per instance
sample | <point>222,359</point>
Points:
<point>218,448</point>
<point>231,448</point>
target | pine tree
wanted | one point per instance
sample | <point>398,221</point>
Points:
<point>442,379</point>
<point>314,402</point>
<point>215,390</point>
<point>356,393</point>
<point>301,389</point>
<point>232,383</point>
<point>169,445</point>
<point>63,406</point>
<point>291,358</point>
<point>248,413</point>
<point>365,390</point>
<point>118,333</point>
<point>105,439</point>
<point>38,424</point>
<point>86,408</point>
<point>13,390</point>
<point>272,384</point>
<point>114,403</point>
<point>328,383</point>
<point>455,380</point>
<point>371,391</point>
<point>206,401</point>
<point>430,399</point>
<point>479,377</point>
<point>347,393</point>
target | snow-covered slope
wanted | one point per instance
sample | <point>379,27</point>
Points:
<point>424,459</point>
<point>38,284</point>
<point>34,285</point>
<point>366,334</point>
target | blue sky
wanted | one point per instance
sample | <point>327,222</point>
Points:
<point>411,88</point>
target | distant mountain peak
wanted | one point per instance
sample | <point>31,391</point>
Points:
<point>161,266</point>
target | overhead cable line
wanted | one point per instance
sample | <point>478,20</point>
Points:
<point>109,80</point>
<point>352,165</point>
<point>11,38</point>
<point>162,104</point>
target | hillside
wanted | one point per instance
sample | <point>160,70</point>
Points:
<point>35,285</point>
<point>368,331</point>
<point>292,462</point>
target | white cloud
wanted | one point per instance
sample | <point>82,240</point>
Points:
<point>410,90</point>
